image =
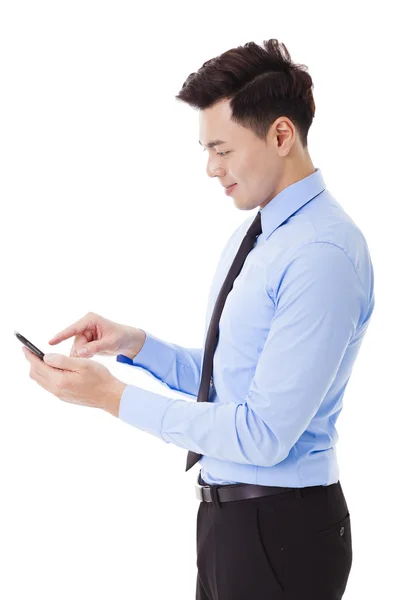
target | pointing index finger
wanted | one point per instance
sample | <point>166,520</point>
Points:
<point>64,334</point>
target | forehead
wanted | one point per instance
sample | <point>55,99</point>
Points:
<point>215,123</point>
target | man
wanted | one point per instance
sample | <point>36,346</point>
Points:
<point>289,305</point>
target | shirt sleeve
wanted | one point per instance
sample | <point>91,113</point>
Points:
<point>177,367</point>
<point>319,302</point>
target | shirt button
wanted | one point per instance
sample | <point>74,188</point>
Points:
<point>341,531</point>
<point>211,381</point>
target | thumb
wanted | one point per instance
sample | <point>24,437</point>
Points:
<point>86,350</point>
<point>60,361</point>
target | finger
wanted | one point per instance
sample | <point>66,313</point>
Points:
<point>31,356</point>
<point>85,348</point>
<point>89,349</point>
<point>40,367</point>
<point>64,362</point>
<point>80,340</point>
<point>66,333</point>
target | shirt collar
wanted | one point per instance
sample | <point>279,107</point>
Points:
<point>289,200</point>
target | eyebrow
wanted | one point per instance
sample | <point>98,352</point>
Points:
<point>213,143</point>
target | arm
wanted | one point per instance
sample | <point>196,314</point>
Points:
<point>177,367</point>
<point>319,303</point>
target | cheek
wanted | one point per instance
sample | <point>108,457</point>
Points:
<point>246,168</point>
<point>240,173</point>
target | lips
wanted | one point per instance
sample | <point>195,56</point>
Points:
<point>229,189</point>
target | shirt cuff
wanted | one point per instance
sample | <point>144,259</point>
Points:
<point>144,409</point>
<point>151,348</point>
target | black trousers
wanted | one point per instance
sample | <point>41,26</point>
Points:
<point>294,546</point>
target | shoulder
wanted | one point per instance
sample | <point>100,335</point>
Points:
<point>321,236</point>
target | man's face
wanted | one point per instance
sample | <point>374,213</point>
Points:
<point>255,165</point>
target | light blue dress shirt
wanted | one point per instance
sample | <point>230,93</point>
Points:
<point>289,335</point>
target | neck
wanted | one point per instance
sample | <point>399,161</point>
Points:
<point>294,171</point>
<point>296,168</point>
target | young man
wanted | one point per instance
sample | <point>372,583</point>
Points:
<point>289,306</point>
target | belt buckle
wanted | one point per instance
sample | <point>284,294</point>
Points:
<point>199,492</point>
<point>199,488</point>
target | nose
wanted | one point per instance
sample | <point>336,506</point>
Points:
<point>213,168</point>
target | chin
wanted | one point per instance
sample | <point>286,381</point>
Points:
<point>242,206</point>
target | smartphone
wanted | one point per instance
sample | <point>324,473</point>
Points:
<point>29,345</point>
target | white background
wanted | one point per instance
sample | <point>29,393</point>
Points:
<point>106,207</point>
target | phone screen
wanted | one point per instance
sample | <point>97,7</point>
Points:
<point>29,345</point>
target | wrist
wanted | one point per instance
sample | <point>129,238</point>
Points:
<point>136,348</point>
<point>113,398</point>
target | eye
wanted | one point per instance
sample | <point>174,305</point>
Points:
<point>219,153</point>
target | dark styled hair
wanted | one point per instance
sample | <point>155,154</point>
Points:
<point>262,84</point>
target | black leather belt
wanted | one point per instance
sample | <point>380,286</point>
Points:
<point>240,491</point>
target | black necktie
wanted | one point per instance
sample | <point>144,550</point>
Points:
<point>213,328</point>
